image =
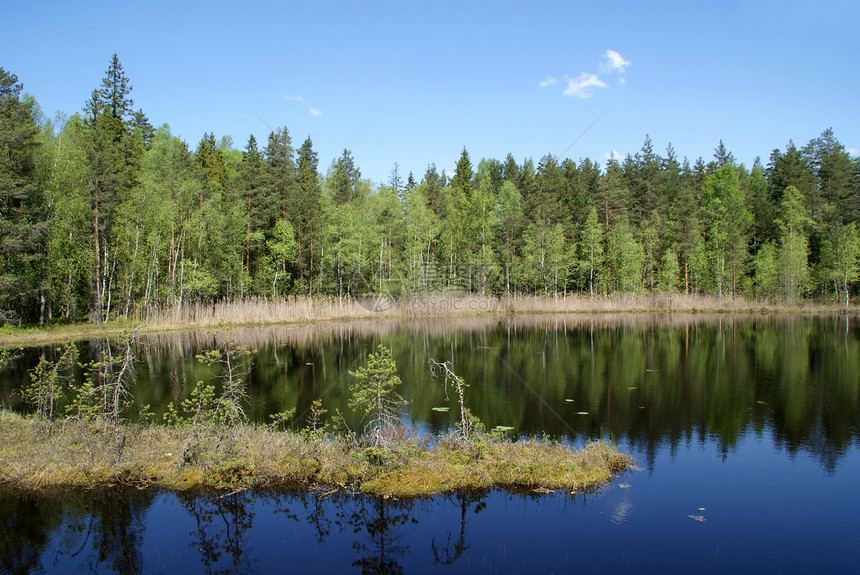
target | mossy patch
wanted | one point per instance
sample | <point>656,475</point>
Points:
<point>72,455</point>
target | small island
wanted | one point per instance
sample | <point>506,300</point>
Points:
<point>207,442</point>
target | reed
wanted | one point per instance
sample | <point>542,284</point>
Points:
<point>301,310</point>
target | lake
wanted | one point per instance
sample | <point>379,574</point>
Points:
<point>744,431</point>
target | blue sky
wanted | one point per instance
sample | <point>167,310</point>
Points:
<point>415,82</point>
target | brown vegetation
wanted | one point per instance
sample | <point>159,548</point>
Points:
<point>35,454</point>
<point>303,310</point>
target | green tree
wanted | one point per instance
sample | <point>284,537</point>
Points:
<point>421,224</point>
<point>251,191</point>
<point>668,273</point>
<point>280,176</point>
<point>727,225</point>
<point>211,164</point>
<point>626,258</point>
<point>282,249</point>
<point>767,271</point>
<point>22,208</point>
<point>509,232</point>
<point>112,159</point>
<point>69,253</point>
<point>343,178</point>
<point>307,215</point>
<point>794,250</point>
<point>374,395</point>
<point>847,268</point>
<point>592,250</point>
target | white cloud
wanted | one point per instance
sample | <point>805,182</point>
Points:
<point>293,98</point>
<point>583,85</point>
<point>316,112</point>
<point>853,151</point>
<point>611,155</point>
<point>613,62</point>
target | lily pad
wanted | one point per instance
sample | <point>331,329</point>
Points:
<point>442,409</point>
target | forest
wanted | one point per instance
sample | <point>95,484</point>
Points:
<point>103,215</point>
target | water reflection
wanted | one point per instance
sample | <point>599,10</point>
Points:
<point>651,381</point>
<point>42,531</point>
<point>118,531</point>
<point>220,533</point>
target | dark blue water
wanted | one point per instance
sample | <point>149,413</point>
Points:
<point>758,482</point>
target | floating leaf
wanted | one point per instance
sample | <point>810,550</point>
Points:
<point>652,370</point>
<point>503,428</point>
<point>631,388</point>
<point>760,402</point>
<point>568,401</point>
<point>442,409</point>
<point>698,518</point>
<point>582,413</point>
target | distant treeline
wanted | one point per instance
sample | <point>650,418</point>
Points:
<point>102,214</point>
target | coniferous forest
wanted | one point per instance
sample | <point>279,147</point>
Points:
<point>103,214</point>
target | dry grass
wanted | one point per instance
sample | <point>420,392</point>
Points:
<point>293,311</point>
<point>37,456</point>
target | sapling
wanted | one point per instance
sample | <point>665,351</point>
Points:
<point>104,395</point>
<point>467,420</point>
<point>205,411</point>
<point>374,397</point>
<point>47,381</point>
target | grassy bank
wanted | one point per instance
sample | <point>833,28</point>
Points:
<point>293,310</point>
<point>36,455</point>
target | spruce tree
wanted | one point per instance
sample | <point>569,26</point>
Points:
<point>22,208</point>
<point>113,161</point>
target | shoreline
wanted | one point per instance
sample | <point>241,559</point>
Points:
<point>305,311</point>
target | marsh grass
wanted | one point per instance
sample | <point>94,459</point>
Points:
<point>301,310</point>
<point>37,455</point>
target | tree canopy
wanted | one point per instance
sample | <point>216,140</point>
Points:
<point>103,215</point>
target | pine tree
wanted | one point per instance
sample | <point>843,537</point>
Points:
<point>374,395</point>
<point>22,208</point>
<point>343,178</point>
<point>280,176</point>
<point>308,212</point>
<point>463,181</point>
<point>211,165</point>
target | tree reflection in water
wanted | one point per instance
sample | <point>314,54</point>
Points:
<point>449,554</point>
<point>222,524</point>
<point>381,520</point>
<point>96,530</point>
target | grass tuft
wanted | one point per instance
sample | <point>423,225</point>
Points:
<point>72,455</point>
